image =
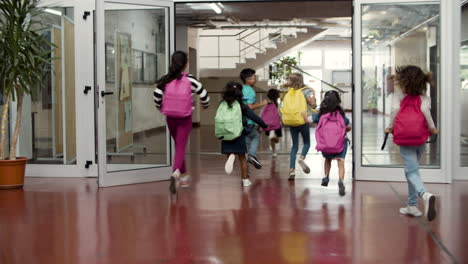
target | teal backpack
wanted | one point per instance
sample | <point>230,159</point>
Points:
<point>228,121</point>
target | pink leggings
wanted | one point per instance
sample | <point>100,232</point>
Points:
<point>180,131</point>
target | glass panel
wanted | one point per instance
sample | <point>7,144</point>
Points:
<point>395,35</point>
<point>136,41</point>
<point>48,132</point>
<point>464,87</point>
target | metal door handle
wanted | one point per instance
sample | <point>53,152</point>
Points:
<point>106,93</point>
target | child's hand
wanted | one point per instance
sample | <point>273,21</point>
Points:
<point>388,130</point>
<point>434,131</point>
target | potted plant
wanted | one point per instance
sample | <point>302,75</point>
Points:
<point>24,55</point>
<point>282,68</point>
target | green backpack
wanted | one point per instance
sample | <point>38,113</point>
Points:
<point>228,121</point>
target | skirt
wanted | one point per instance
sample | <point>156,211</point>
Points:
<point>236,146</point>
<point>338,156</point>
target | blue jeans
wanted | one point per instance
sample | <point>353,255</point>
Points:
<point>411,156</point>
<point>305,133</point>
<point>252,139</point>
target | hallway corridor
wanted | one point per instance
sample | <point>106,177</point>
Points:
<point>216,221</point>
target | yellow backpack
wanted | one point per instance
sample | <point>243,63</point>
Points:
<point>294,104</point>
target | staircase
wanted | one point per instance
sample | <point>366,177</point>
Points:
<point>269,54</point>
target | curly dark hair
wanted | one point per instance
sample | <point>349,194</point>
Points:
<point>232,92</point>
<point>331,103</point>
<point>273,95</point>
<point>412,80</point>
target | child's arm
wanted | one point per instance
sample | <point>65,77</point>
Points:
<point>396,99</point>
<point>252,116</point>
<point>198,88</point>
<point>347,123</point>
<point>426,110</point>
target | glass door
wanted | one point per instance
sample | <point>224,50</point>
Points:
<point>387,36</point>
<point>58,121</point>
<point>134,42</point>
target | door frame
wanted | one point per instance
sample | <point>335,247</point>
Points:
<point>130,176</point>
<point>449,74</point>
<point>460,172</point>
<point>84,111</point>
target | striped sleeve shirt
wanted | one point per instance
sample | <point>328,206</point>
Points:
<point>197,88</point>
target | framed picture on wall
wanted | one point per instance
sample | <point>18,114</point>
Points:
<point>150,67</point>
<point>137,66</point>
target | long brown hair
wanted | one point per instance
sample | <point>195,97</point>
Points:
<point>412,80</point>
<point>295,80</point>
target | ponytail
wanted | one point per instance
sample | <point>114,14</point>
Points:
<point>178,63</point>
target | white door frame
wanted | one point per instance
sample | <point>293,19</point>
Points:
<point>130,176</point>
<point>460,173</point>
<point>449,70</point>
<point>84,76</point>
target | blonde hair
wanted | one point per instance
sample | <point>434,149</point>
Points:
<point>295,80</point>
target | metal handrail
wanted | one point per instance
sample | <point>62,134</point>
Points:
<point>235,35</point>
<point>259,41</point>
<point>310,75</point>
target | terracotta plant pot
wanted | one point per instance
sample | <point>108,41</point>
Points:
<point>12,173</point>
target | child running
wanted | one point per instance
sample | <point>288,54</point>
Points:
<point>272,118</point>
<point>173,96</point>
<point>411,124</point>
<point>238,146</point>
<point>331,136</point>
<point>296,102</point>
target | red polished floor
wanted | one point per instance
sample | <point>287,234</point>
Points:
<point>68,221</point>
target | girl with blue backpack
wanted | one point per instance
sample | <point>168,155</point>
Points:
<point>173,97</point>
<point>331,136</point>
<point>411,124</point>
<point>230,126</point>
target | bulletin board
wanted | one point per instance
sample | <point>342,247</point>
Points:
<point>123,82</point>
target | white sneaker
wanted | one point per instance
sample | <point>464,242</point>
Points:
<point>185,181</point>
<point>272,135</point>
<point>230,164</point>
<point>275,154</point>
<point>429,206</point>
<point>304,166</point>
<point>246,182</point>
<point>410,210</point>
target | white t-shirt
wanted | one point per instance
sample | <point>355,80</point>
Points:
<point>398,95</point>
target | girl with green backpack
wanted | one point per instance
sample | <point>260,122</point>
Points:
<point>230,126</point>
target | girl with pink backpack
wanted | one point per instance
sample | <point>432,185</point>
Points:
<point>331,136</point>
<point>272,118</point>
<point>173,97</point>
<point>411,124</point>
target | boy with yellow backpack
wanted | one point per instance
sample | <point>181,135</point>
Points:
<point>294,113</point>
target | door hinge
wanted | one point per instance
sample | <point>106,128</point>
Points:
<point>86,14</point>
<point>88,163</point>
<point>86,89</point>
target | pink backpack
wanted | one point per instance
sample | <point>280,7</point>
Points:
<point>271,117</point>
<point>331,133</point>
<point>410,127</point>
<point>177,98</point>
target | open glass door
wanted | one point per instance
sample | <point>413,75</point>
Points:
<point>134,41</point>
<point>386,36</point>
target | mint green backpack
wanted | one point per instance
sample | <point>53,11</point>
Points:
<point>228,121</point>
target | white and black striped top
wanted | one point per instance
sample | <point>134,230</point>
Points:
<point>197,88</point>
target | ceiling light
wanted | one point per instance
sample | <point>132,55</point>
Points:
<point>52,11</point>
<point>216,8</point>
